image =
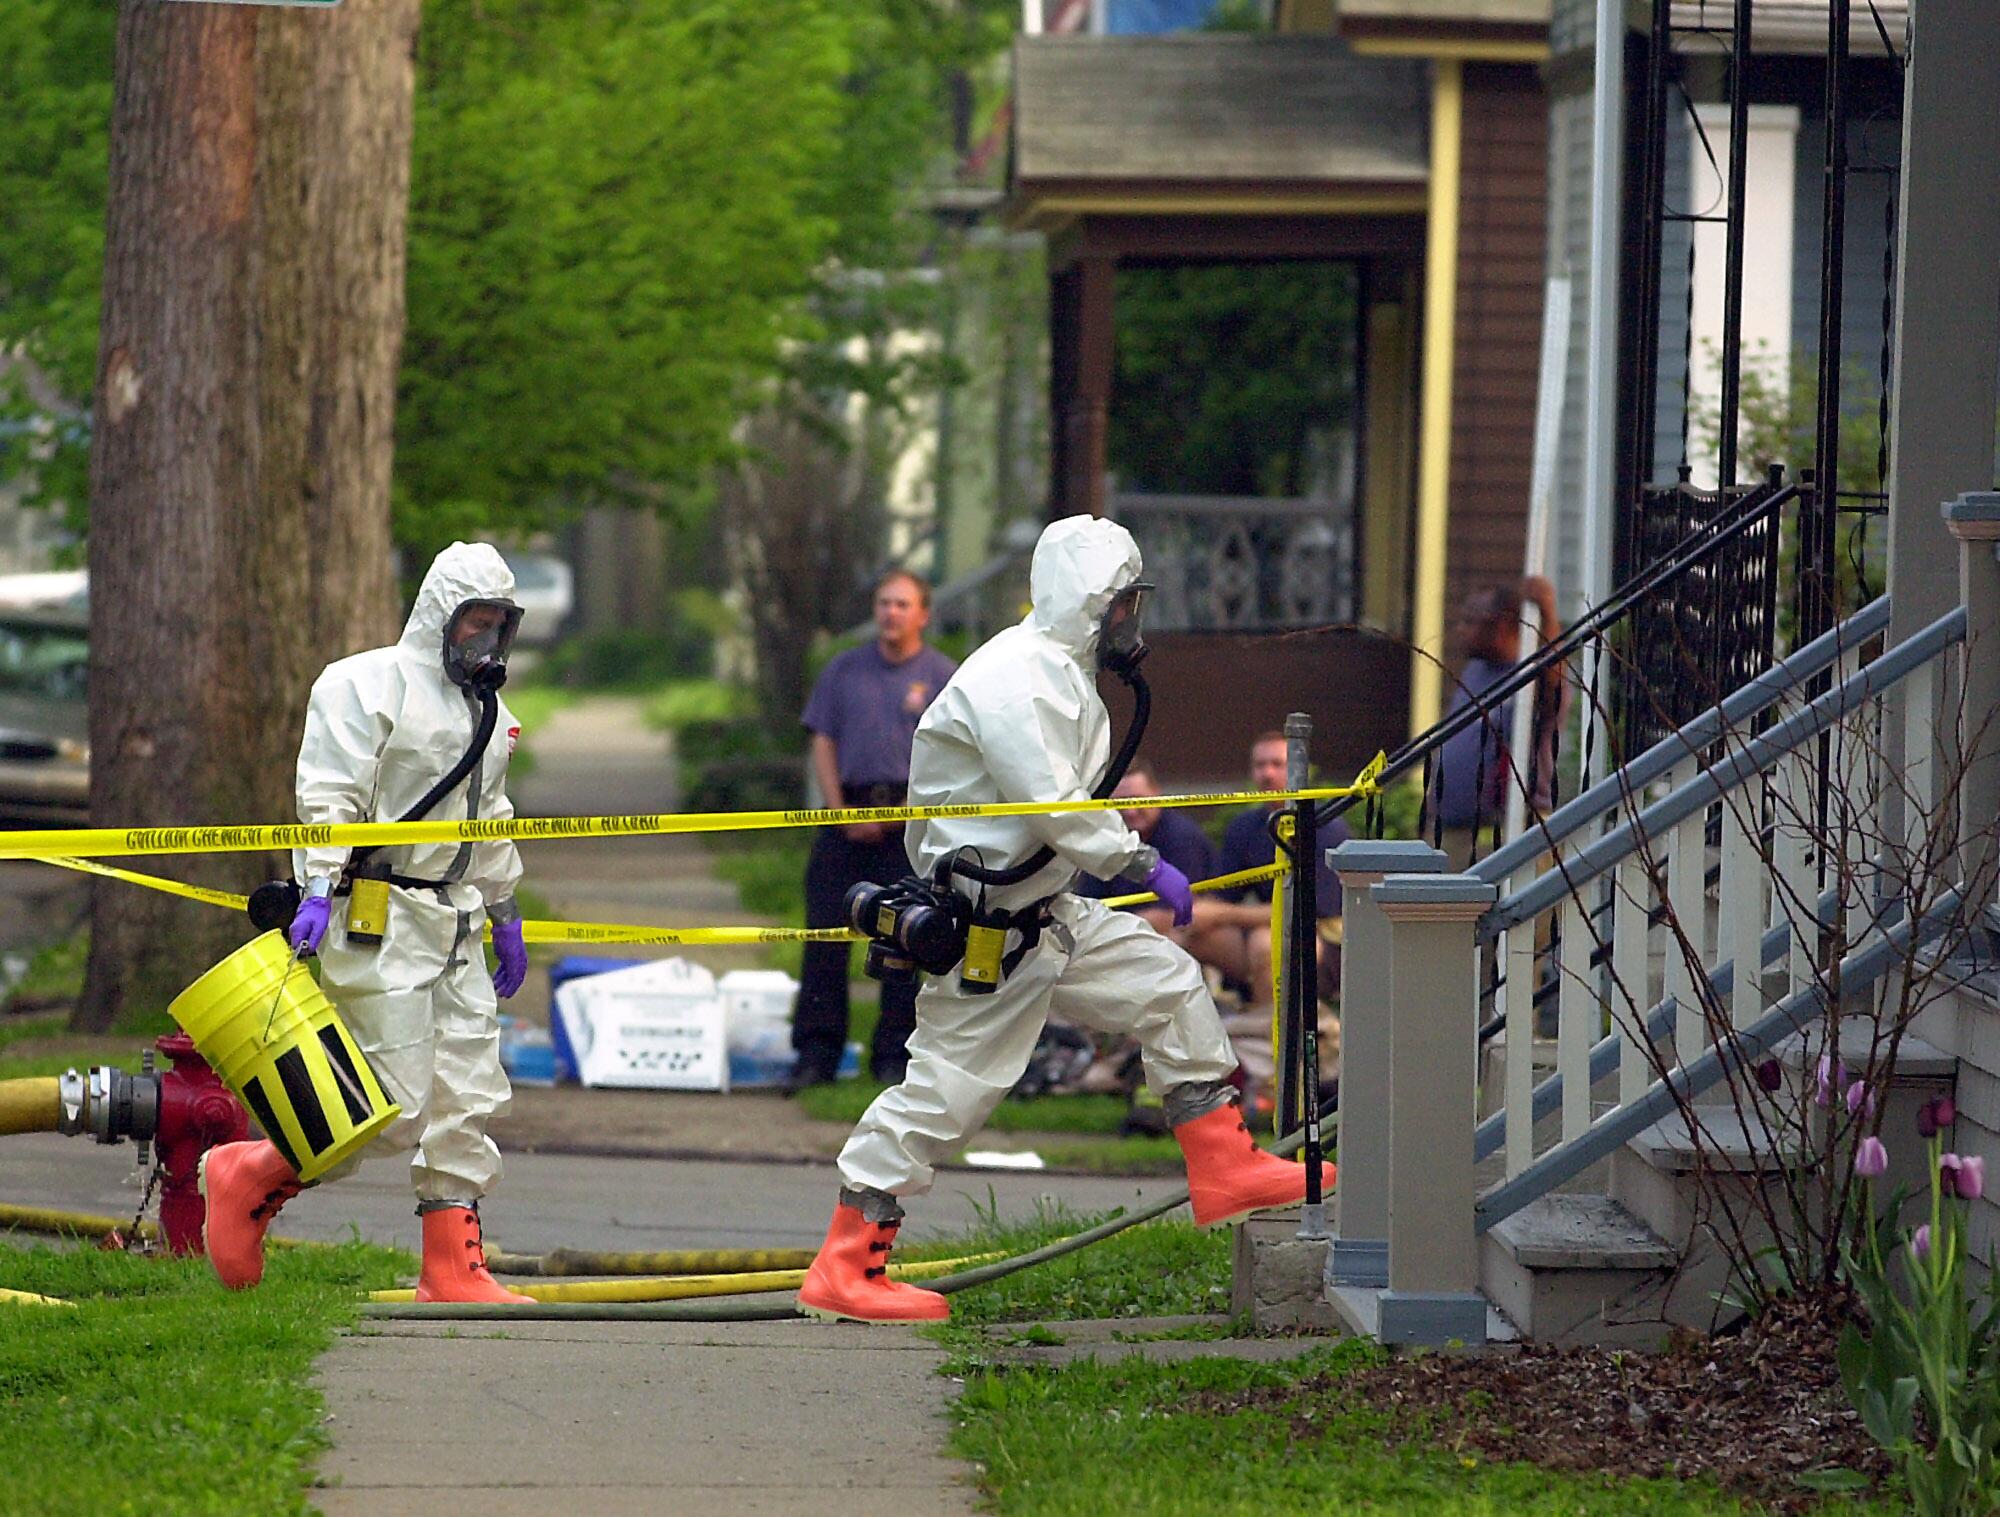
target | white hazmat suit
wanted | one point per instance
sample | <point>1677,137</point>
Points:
<point>382,728</point>
<point>1021,720</point>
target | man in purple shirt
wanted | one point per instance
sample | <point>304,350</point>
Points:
<point>863,718</point>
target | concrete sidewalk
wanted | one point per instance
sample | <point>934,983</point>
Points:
<point>743,1420</point>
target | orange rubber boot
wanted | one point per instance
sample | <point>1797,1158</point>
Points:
<point>849,1279</point>
<point>455,1261</point>
<point>1229,1176</point>
<point>242,1187</point>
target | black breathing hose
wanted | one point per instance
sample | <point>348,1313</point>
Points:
<point>1142,712</point>
<point>489,716</point>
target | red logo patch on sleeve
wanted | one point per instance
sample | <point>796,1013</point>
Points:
<point>513,738</point>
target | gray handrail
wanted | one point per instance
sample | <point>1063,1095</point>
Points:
<point>1759,695</point>
<point>1619,1126</point>
<point>1733,769</point>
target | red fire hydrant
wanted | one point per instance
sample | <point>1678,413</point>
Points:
<point>197,1112</point>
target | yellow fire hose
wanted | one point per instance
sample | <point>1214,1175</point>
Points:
<point>30,1105</point>
<point>29,1298</point>
<point>77,1224</point>
<point>684,1287</point>
<point>674,1261</point>
<point>781,1311</point>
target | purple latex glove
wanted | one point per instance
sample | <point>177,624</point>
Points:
<point>309,924</point>
<point>1171,886</point>
<point>513,956</point>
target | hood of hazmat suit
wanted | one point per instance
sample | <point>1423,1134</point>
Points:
<point>1021,720</point>
<point>384,726</point>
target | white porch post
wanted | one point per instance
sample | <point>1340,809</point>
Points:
<point>1360,1252</point>
<point>1433,1295</point>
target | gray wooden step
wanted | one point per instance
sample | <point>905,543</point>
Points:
<point>1581,1232</point>
<point>1570,1269</point>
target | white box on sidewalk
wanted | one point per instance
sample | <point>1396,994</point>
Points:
<point>658,1026</point>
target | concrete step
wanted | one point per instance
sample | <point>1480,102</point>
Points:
<point>1578,1269</point>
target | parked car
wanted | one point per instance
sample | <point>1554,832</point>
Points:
<point>544,588</point>
<point>53,587</point>
<point>44,713</point>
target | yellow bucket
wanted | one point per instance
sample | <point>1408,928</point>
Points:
<point>264,1024</point>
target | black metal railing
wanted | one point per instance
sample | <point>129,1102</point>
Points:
<point>1709,631</point>
<point>1702,563</point>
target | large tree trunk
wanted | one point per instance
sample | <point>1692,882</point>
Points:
<point>239,524</point>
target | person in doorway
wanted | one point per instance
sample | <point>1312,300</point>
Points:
<point>1474,770</point>
<point>383,730</point>
<point>1023,722</point>
<point>862,716</point>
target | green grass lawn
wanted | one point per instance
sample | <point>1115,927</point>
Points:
<point>1144,1438</point>
<point>163,1393</point>
<point>1135,1438</point>
<point>1158,1269</point>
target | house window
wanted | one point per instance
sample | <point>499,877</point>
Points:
<point>1232,440</point>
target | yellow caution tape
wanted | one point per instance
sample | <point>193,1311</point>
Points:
<point>1287,826</point>
<point>613,932</point>
<point>154,882</point>
<point>103,842</point>
<point>636,935</point>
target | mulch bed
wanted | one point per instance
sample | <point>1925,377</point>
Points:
<point>1750,1411</point>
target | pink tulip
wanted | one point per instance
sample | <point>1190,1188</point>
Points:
<point>1920,1245</point>
<point>1970,1181</point>
<point>1935,1115</point>
<point>1871,1159</point>
<point>1860,1100</point>
<point>1831,1081</point>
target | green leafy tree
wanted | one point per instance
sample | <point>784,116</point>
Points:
<point>613,229</point>
<point>629,220</point>
<point>55,75</point>
<point>1231,377</point>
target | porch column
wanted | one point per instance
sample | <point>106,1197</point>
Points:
<point>1433,1296</point>
<point>1082,335</point>
<point>1440,349</point>
<point>1360,1252</point>
<point>1947,354</point>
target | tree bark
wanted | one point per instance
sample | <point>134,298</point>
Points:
<point>241,447</point>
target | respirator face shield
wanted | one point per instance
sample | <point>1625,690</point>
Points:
<point>477,640</point>
<point>1120,640</point>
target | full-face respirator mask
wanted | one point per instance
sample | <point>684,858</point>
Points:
<point>477,640</point>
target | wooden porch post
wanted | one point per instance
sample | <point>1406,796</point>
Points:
<point>1081,348</point>
<point>1440,353</point>
<point>1088,416</point>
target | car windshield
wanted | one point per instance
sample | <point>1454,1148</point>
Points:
<point>532,573</point>
<point>45,661</point>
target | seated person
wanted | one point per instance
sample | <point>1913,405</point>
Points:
<point>1239,930</point>
<point>1247,844</point>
